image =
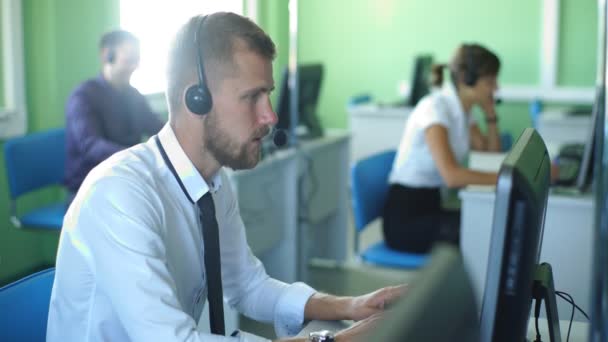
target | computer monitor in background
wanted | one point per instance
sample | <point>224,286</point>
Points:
<point>421,76</point>
<point>439,306</point>
<point>517,230</point>
<point>310,78</point>
<point>585,173</point>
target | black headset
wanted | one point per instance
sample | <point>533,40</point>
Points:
<point>470,75</point>
<point>111,55</point>
<point>198,98</point>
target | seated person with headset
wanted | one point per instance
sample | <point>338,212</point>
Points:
<point>106,114</point>
<point>155,231</point>
<point>437,138</point>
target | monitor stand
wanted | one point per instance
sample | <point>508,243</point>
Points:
<point>544,290</point>
<point>305,133</point>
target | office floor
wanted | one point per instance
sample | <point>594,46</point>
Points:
<point>349,279</point>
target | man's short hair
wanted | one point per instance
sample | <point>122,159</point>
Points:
<point>217,36</point>
<point>111,40</point>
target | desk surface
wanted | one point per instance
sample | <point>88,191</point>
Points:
<point>579,332</point>
<point>375,110</point>
<point>557,196</point>
<point>491,161</point>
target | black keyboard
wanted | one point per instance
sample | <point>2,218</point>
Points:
<point>568,171</point>
<point>569,163</point>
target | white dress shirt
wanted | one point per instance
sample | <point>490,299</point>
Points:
<point>414,165</point>
<point>130,263</point>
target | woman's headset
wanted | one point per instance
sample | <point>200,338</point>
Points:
<point>198,98</point>
<point>470,75</point>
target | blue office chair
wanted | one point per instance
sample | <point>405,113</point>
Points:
<point>25,307</point>
<point>33,162</point>
<point>369,187</point>
<point>506,142</point>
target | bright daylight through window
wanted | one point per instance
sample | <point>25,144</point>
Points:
<point>155,23</point>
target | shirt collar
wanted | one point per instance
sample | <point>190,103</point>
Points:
<point>449,91</point>
<point>193,181</point>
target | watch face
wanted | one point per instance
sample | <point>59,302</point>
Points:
<point>321,336</point>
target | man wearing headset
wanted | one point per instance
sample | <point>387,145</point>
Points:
<point>106,114</point>
<point>136,257</point>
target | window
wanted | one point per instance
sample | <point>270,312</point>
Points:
<point>155,23</point>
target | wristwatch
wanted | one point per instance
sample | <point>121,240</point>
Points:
<point>321,336</point>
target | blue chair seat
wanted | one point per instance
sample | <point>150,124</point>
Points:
<point>25,307</point>
<point>35,161</point>
<point>47,217</point>
<point>381,254</point>
<point>369,185</point>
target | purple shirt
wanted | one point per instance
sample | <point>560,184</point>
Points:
<point>101,120</point>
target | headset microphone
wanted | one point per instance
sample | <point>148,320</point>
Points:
<point>279,137</point>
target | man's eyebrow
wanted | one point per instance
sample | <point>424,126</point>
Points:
<point>257,90</point>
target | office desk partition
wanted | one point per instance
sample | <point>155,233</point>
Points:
<point>268,205</point>
<point>558,127</point>
<point>323,200</point>
<point>294,205</point>
<point>375,128</point>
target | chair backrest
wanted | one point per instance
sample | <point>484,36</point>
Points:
<point>24,307</point>
<point>369,187</point>
<point>35,161</point>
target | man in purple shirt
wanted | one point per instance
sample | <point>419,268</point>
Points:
<point>106,114</point>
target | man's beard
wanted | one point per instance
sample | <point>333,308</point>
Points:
<point>230,153</point>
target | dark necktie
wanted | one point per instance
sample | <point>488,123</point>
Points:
<point>213,267</point>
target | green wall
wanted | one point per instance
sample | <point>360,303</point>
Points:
<point>367,46</point>
<point>60,51</point>
<point>578,44</point>
<point>273,17</point>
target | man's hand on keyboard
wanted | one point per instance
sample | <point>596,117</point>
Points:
<point>367,305</point>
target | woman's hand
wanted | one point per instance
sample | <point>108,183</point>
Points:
<point>488,106</point>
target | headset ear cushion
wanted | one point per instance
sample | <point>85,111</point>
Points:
<point>110,56</point>
<point>198,100</point>
<point>468,78</point>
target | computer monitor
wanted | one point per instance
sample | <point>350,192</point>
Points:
<point>517,230</point>
<point>310,78</point>
<point>599,281</point>
<point>585,173</point>
<point>421,75</point>
<point>439,306</point>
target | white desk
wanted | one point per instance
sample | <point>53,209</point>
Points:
<point>567,242</point>
<point>559,128</point>
<point>579,332</point>
<point>375,128</point>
